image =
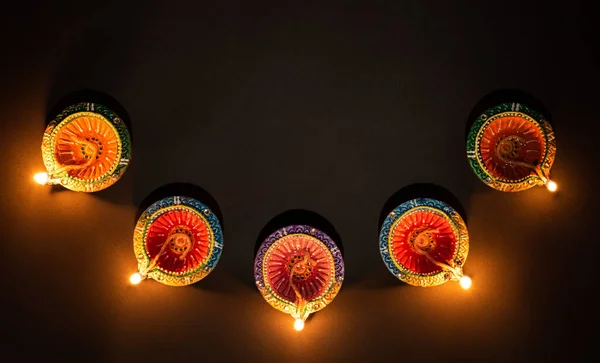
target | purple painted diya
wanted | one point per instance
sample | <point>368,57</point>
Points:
<point>298,270</point>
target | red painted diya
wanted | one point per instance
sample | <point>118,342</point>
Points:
<point>177,241</point>
<point>298,270</point>
<point>511,148</point>
<point>86,148</point>
<point>424,242</point>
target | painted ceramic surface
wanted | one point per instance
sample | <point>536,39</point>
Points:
<point>177,241</point>
<point>423,225</point>
<point>86,147</point>
<point>511,147</point>
<point>299,270</point>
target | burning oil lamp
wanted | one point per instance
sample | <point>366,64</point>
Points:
<point>86,148</point>
<point>177,241</point>
<point>298,270</point>
<point>511,148</point>
<point>424,242</point>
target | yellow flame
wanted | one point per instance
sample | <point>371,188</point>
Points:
<point>299,324</point>
<point>135,279</point>
<point>465,282</point>
<point>552,186</point>
<point>41,178</point>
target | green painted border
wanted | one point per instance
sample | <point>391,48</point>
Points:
<point>106,180</point>
<point>475,159</point>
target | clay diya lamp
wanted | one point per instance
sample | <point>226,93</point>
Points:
<point>177,241</point>
<point>86,148</point>
<point>424,242</point>
<point>511,148</point>
<point>298,270</point>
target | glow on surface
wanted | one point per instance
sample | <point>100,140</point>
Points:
<point>41,178</point>
<point>552,186</point>
<point>299,324</point>
<point>135,279</point>
<point>465,282</point>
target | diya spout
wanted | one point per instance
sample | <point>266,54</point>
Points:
<point>300,316</point>
<point>464,281</point>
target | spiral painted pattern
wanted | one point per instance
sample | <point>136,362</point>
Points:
<point>298,269</point>
<point>181,240</point>
<point>177,241</point>
<point>423,229</point>
<point>87,147</point>
<point>419,235</point>
<point>299,261</point>
<point>509,144</point>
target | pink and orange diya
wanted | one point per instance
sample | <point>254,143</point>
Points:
<point>299,270</point>
<point>177,241</point>
<point>424,242</point>
<point>86,148</point>
<point>511,148</point>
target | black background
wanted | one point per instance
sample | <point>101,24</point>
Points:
<point>326,107</point>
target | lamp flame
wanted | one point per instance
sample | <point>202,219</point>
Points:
<point>552,186</point>
<point>41,178</point>
<point>465,282</point>
<point>299,324</point>
<point>136,278</point>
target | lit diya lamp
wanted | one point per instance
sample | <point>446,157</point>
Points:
<point>177,241</point>
<point>424,242</point>
<point>86,148</point>
<point>511,148</point>
<point>298,270</point>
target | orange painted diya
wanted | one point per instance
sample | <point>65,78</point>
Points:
<point>511,148</point>
<point>86,148</point>
<point>424,242</point>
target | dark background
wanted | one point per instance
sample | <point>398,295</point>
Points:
<point>326,107</point>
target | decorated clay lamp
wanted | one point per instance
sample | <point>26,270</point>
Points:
<point>86,148</point>
<point>298,270</point>
<point>425,242</point>
<point>177,241</point>
<point>511,148</point>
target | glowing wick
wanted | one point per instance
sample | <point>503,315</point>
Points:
<point>299,324</point>
<point>465,282</point>
<point>135,279</point>
<point>41,178</point>
<point>552,186</point>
